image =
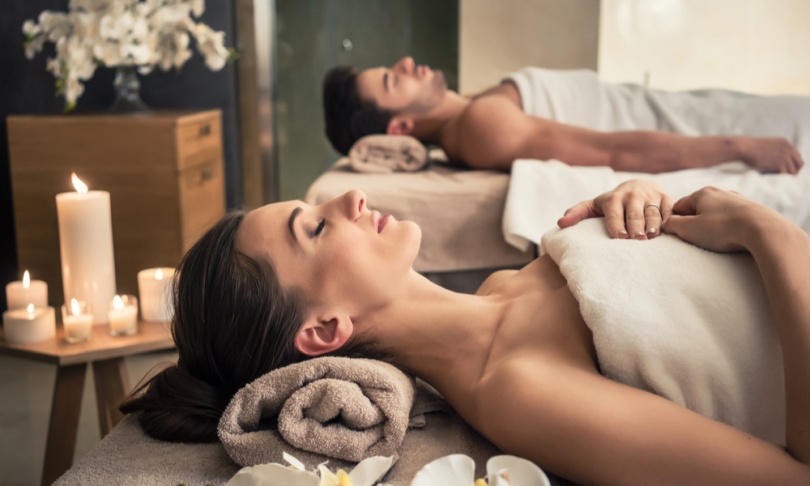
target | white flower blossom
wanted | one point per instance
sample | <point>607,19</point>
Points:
<point>140,33</point>
<point>366,473</point>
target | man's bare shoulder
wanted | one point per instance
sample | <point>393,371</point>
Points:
<point>506,90</point>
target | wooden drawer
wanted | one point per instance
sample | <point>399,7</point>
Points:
<point>198,140</point>
<point>202,192</point>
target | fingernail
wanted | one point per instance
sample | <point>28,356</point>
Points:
<point>652,231</point>
<point>639,235</point>
<point>623,233</point>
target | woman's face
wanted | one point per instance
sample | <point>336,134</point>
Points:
<point>337,254</point>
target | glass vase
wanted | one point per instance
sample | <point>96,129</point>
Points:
<point>127,92</point>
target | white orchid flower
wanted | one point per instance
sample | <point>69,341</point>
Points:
<point>366,473</point>
<point>140,33</point>
<point>459,470</point>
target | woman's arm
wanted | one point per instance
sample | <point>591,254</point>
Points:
<point>723,221</point>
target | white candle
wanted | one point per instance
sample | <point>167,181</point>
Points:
<point>29,325</point>
<point>86,247</point>
<point>155,289</point>
<point>123,315</point>
<point>77,321</point>
<point>21,293</point>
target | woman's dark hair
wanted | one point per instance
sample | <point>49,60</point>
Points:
<point>348,117</point>
<point>232,323</point>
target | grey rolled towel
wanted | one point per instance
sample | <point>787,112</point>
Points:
<point>381,154</point>
<point>342,408</point>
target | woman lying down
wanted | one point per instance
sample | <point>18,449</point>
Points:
<point>517,361</point>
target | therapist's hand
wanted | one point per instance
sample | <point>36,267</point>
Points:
<point>635,209</point>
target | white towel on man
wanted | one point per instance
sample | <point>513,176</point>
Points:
<point>690,325</point>
<point>578,97</point>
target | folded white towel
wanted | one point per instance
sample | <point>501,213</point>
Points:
<point>687,324</point>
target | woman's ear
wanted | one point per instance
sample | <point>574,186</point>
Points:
<point>400,126</point>
<point>320,335</point>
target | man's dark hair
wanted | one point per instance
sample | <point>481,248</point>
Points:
<point>348,117</point>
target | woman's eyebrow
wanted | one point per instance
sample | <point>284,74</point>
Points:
<point>291,222</point>
<point>385,81</point>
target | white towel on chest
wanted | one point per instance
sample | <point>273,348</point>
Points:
<point>687,324</point>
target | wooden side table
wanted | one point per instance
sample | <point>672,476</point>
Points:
<point>106,354</point>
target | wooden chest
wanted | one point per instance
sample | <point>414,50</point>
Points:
<point>164,173</point>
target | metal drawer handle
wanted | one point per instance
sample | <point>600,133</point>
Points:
<point>205,130</point>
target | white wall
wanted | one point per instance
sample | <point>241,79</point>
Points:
<point>759,46</point>
<point>501,36</point>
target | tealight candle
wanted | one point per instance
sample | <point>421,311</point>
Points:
<point>154,287</point>
<point>123,315</point>
<point>86,247</point>
<point>21,293</point>
<point>77,321</point>
<point>29,325</point>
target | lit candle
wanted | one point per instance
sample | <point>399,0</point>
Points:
<point>21,293</point>
<point>85,243</point>
<point>154,287</point>
<point>123,315</point>
<point>77,321</point>
<point>29,325</point>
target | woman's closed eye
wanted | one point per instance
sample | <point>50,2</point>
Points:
<point>318,229</point>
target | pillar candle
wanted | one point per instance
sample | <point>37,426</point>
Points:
<point>154,287</point>
<point>86,248</point>
<point>21,293</point>
<point>30,325</point>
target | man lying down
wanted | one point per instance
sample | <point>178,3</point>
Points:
<point>569,116</point>
<point>682,358</point>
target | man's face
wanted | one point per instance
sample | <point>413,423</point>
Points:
<point>404,88</point>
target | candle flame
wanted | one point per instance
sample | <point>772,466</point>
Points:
<point>159,274</point>
<point>118,303</point>
<point>80,186</point>
<point>26,280</point>
<point>30,308</point>
<point>74,307</point>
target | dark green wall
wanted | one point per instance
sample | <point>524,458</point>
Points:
<point>310,35</point>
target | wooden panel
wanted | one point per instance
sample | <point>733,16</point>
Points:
<point>202,192</point>
<point>197,139</point>
<point>135,158</point>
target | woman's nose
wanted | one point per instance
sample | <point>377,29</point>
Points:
<point>354,203</point>
<point>406,64</point>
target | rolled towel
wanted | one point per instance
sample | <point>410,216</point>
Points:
<point>383,154</point>
<point>342,408</point>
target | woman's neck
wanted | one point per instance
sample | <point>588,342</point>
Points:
<point>437,334</point>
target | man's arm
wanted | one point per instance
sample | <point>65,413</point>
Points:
<point>494,132</point>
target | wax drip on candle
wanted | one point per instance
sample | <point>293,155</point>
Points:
<point>74,307</point>
<point>26,280</point>
<point>30,309</point>
<point>159,274</point>
<point>80,186</point>
<point>118,303</point>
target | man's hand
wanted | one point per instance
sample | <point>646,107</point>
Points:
<point>635,209</point>
<point>771,155</point>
